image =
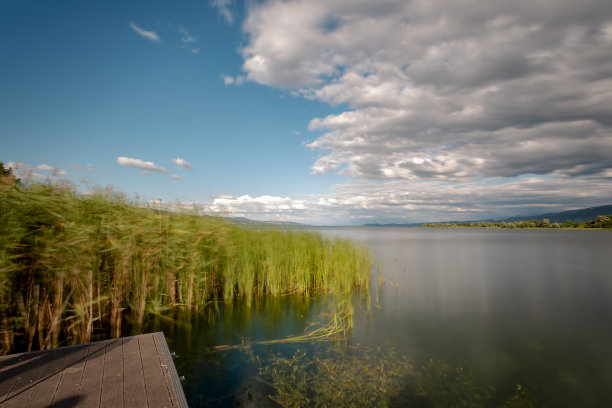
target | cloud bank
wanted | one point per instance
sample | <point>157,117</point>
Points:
<point>358,203</point>
<point>446,109</point>
<point>445,90</point>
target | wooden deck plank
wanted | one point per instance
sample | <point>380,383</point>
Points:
<point>67,393</point>
<point>11,365</point>
<point>45,390</point>
<point>129,372</point>
<point>112,380</point>
<point>171,374</point>
<point>27,380</point>
<point>134,391</point>
<point>158,391</point>
<point>89,393</point>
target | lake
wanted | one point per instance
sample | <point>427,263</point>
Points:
<point>526,311</point>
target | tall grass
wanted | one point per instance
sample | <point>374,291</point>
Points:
<point>72,265</point>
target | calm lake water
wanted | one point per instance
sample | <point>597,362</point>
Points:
<point>524,307</point>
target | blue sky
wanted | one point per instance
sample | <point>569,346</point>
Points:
<point>323,112</point>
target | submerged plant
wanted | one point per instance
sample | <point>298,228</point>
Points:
<point>358,376</point>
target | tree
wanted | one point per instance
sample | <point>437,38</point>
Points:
<point>7,176</point>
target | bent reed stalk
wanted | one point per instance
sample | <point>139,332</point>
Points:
<point>72,265</point>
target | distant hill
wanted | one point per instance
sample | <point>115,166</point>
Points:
<point>416,224</point>
<point>244,220</point>
<point>582,215</point>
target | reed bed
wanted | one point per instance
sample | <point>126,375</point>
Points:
<point>73,265</point>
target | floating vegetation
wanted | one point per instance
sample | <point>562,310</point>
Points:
<point>336,329</point>
<point>358,376</point>
<point>76,266</point>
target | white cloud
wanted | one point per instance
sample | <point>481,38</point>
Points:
<point>175,176</point>
<point>145,166</point>
<point>182,163</point>
<point>223,6</point>
<point>44,167</point>
<point>29,172</point>
<point>404,201</point>
<point>189,41</point>
<point>444,90</point>
<point>186,37</point>
<point>149,35</point>
<point>230,80</point>
<point>262,208</point>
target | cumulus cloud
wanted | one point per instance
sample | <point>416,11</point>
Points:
<point>145,166</point>
<point>224,9</point>
<point>149,35</point>
<point>403,201</point>
<point>263,208</point>
<point>444,91</point>
<point>182,163</point>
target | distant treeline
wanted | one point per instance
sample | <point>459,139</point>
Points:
<point>601,221</point>
<point>74,266</point>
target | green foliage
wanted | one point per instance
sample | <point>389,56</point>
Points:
<point>72,265</point>
<point>601,221</point>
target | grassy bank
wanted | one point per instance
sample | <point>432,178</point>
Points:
<point>73,265</point>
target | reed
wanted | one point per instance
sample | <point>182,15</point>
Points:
<point>73,266</point>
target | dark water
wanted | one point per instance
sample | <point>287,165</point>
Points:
<point>528,307</point>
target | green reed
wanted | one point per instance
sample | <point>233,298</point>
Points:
<point>74,265</point>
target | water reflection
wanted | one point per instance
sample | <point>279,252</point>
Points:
<point>527,308</point>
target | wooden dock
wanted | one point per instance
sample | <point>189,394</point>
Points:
<point>135,371</point>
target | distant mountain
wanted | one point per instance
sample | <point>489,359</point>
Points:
<point>582,215</point>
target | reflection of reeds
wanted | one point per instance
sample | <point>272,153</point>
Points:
<point>71,265</point>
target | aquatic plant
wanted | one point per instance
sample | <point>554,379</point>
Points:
<point>73,266</point>
<point>336,329</point>
<point>359,376</point>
